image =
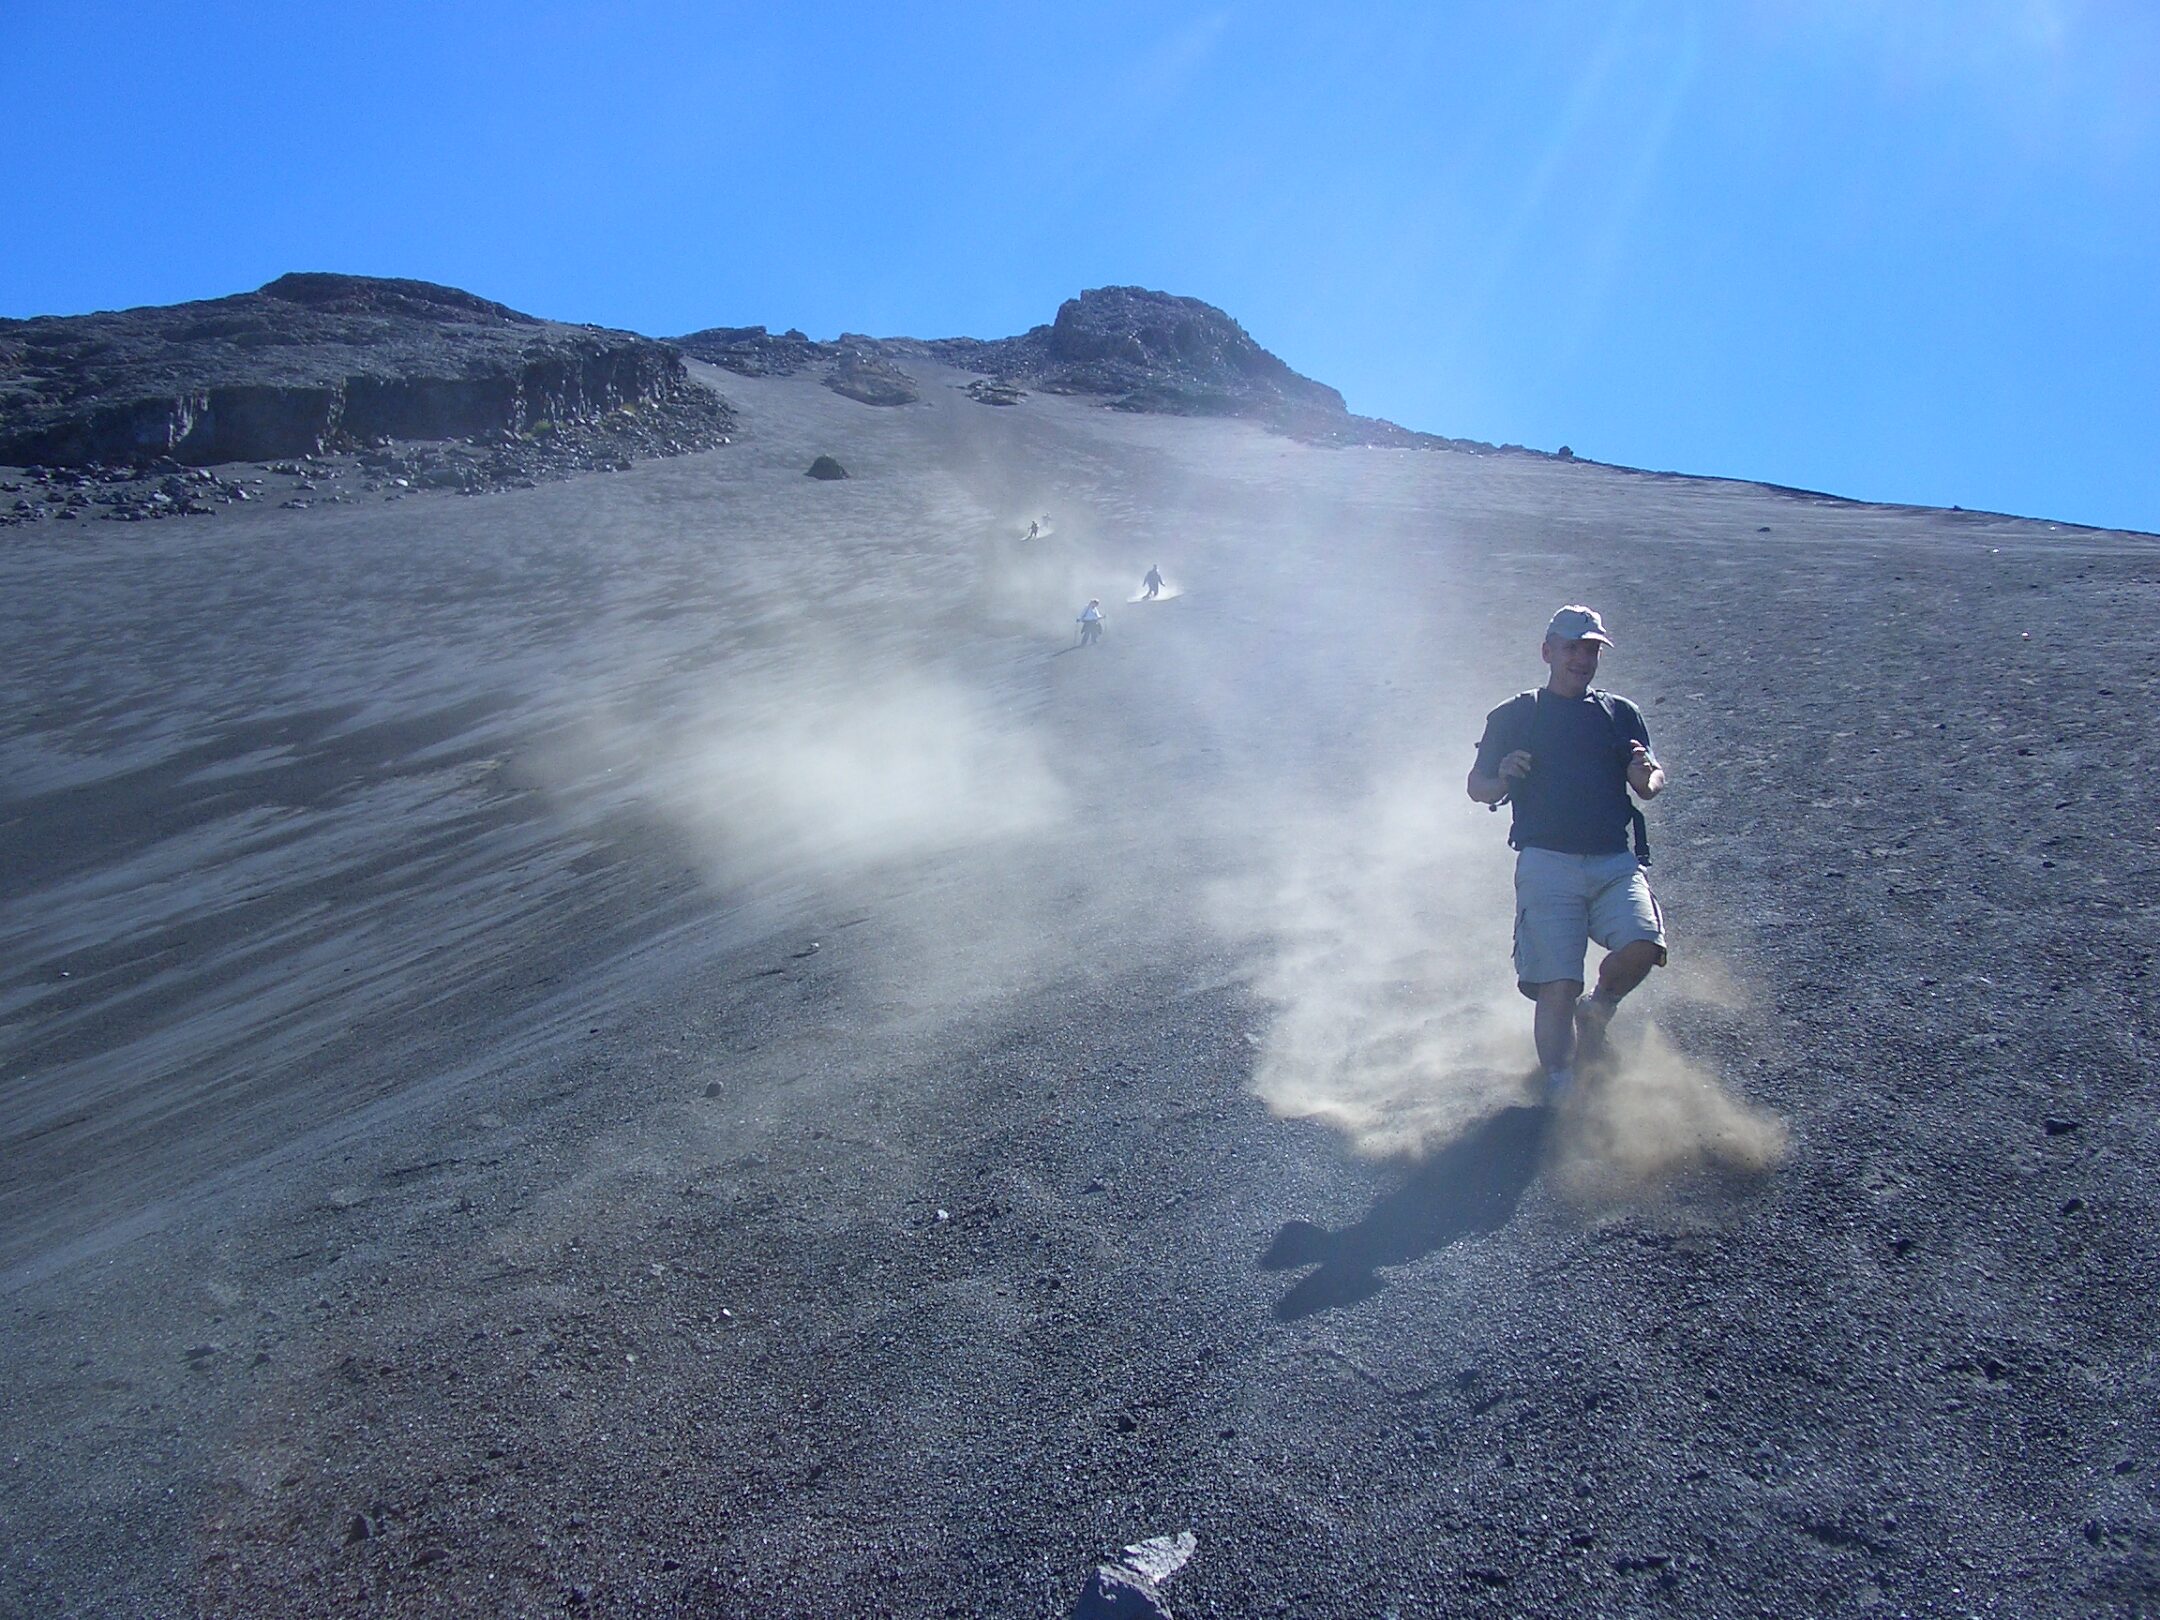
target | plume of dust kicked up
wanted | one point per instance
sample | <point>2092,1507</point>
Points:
<point>822,780</point>
<point>1029,585</point>
<point>814,774</point>
<point>1651,1119</point>
<point>1380,934</point>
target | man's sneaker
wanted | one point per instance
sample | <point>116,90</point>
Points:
<point>1592,1013</point>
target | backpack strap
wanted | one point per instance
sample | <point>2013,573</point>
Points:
<point>1537,707</point>
<point>1641,826</point>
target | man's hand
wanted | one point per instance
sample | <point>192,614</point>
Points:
<point>1492,789</point>
<point>1644,774</point>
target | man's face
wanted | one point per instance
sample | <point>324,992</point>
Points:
<point>1574,665</point>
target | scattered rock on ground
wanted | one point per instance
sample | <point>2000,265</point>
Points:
<point>1131,1589</point>
<point>1116,1593</point>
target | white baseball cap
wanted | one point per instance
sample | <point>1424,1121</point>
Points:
<point>1577,623</point>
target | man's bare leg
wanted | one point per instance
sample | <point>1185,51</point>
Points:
<point>1620,972</point>
<point>1624,969</point>
<point>1555,1031</point>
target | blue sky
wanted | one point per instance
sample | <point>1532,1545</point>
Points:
<point>1895,249</point>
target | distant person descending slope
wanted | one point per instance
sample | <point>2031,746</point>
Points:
<point>1152,581</point>
<point>1091,622</point>
<point>1567,756</point>
<point>1033,529</point>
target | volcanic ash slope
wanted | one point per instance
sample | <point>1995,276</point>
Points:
<point>663,1043</point>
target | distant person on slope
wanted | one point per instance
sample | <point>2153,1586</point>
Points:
<point>1032,530</point>
<point>1153,581</point>
<point>1091,622</point>
<point>1566,755</point>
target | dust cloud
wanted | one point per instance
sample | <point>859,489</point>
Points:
<point>1298,731</point>
<point>1021,586</point>
<point>857,731</point>
<point>1652,1119</point>
<point>827,783</point>
<point>832,779</point>
<point>1379,932</point>
<point>1372,903</point>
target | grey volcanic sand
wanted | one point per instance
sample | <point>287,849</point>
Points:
<point>665,1045</point>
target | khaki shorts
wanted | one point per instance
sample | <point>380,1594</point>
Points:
<point>1562,902</point>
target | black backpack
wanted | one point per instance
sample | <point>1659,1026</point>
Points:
<point>1620,738</point>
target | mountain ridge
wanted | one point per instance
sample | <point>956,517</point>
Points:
<point>318,359</point>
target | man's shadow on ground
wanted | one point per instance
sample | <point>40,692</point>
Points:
<point>1469,1187</point>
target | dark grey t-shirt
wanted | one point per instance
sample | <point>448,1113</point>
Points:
<point>1575,798</point>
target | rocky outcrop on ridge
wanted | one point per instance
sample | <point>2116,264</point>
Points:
<point>751,351</point>
<point>863,375</point>
<point>314,362</point>
<point>1151,351</point>
<point>1132,348</point>
<point>861,368</point>
<point>1126,346</point>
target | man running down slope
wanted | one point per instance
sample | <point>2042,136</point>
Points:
<point>1566,755</point>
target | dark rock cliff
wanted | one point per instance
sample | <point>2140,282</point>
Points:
<point>315,361</point>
